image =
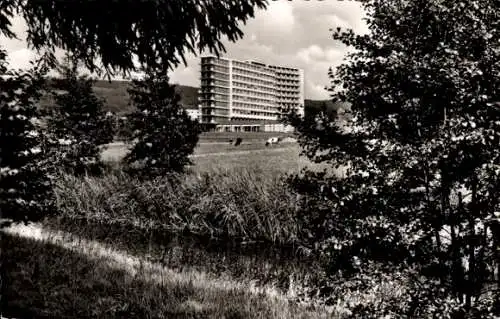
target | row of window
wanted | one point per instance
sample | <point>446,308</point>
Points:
<point>289,87</point>
<point>243,85</point>
<point>247,112</point>
<point>256,84</point>
<point>288,98</point>
<point>287,105</point>
<point>253,80</point>
<point>246,106</point>
<point>266,76</point>
<point>248,93</point>
<point>288,92</point>
<point>249,66</point>
<point>242,119</point>
<point>280,68</point>
<point>285,82</point>
<point>252,93</point>
<point>252,99</point>
<point>284,76</point>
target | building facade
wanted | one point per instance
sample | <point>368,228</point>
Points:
<point>247,95</point>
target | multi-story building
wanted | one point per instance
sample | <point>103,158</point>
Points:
<point>247,95</point>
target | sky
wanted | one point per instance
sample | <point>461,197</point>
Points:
<point>292,33</point>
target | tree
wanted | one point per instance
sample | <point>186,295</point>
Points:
<point>163,134</point>
<point>25,186</point>
<point>78,121</point>
<point>422,191</point>
<point>154,32</point>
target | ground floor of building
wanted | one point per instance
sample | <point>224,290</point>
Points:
<point>249,127</point>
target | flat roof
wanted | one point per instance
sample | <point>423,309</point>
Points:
<point>282,67</point>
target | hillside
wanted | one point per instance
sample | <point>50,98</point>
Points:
<point>116,96</point>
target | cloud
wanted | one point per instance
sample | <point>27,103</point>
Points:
<point>278,16</point>
<point>317,90</point>
<point>293,33</point>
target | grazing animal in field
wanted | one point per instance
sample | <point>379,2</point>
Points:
<point>273,140</point>
<point>238,141</point>
<point>231,142</point>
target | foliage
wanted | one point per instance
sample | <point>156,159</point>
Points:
<point>78,121</point>
<point>25,187</point>
<point>152,31</point>
<point>163,134</point>
<point>422,156</point>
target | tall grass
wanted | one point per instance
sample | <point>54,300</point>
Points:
<point>242,204</point>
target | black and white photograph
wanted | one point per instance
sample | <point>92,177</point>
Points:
<point>260,159</point>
